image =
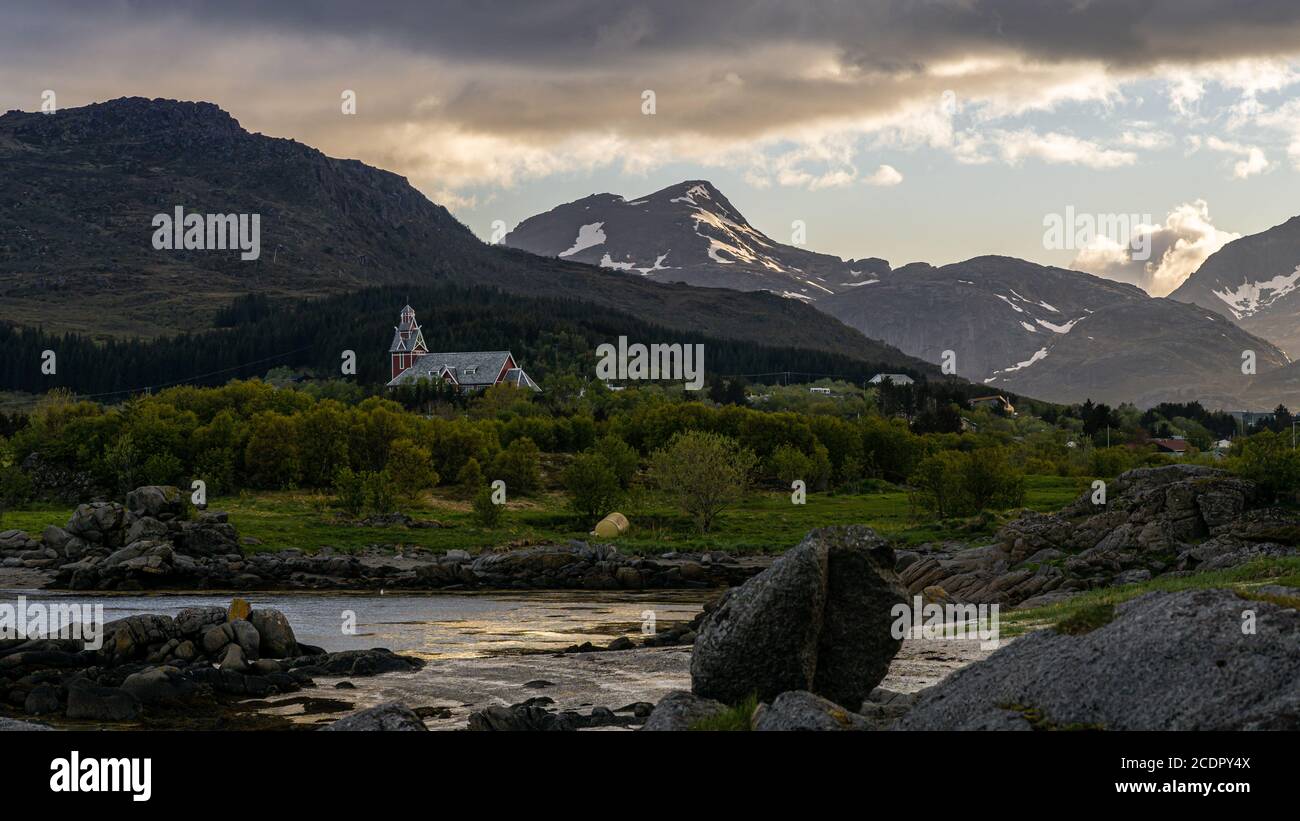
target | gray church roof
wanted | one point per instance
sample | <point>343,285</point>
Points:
<point>470,369</point>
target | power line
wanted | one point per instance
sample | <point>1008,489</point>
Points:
<point>176,382</point>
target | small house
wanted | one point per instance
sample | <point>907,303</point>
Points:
<point>1174,447</point>
<point>895,378</point>
<point>996,403</point>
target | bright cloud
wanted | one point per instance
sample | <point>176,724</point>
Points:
<point>1177,249</point>
<point>1252,162</point>
<point>885,175</point>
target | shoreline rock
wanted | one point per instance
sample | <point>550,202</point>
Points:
<point>149,544</point>
<point>1163,661</point>
<point>155,668</point>
<point>818,619</point>
<point>1160,521</point>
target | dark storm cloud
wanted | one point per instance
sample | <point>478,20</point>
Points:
<point>878,36</point>
<point>461,93</point>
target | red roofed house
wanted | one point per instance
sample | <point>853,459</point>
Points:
<point>1177,447</point>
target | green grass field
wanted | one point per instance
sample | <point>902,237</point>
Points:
<point>765,523</point>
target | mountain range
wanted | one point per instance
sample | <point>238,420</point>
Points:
<point>688,233</point>
<point>80,187</point>
<point>1255,282</point>
<point>1014,325</point>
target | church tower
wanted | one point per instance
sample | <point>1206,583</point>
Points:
<point>408,342</point>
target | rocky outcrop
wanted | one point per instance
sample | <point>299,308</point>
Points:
<point>533,716</point>
<point>1155,521</point>
<point>1192,660</point>
<point>818,619</point>
<point>13,725</point>
<point>117,549</point>
<point>390,717</point>
<point>154,665</point>
<point>150,544</point>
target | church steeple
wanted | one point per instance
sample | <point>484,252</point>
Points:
<point>408,342</point>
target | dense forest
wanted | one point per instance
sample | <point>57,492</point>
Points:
<point>255,334</point>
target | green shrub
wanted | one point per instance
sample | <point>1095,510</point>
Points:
<point>988,481</point>
<point>486,513</point>
<point>787,463</point>
<point>163,469</point>
<point>1267,459</point>
<point>350,492</point>
<point>936,484</point>
<point>621,457</point>
<point>411,467</point>
<point>519,466</point>
<point>952,483</point>
<point>592,485</point>
<point>16,487</point>
<point>470,478</point>
<point>705,473</point>
<point>381,492</point>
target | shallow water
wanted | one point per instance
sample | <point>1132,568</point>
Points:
<point>434,626</point>
<point>473,645</point>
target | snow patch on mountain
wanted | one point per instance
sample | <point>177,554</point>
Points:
<point>1054,328</point>
<point>588,236</point>
<point>1038,356</point>
<point>1249,298</point>
<point>607,262</point>
<point>1013,305</point>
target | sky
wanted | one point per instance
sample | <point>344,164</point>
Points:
<point>934,130</point>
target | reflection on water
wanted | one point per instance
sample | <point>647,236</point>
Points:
<point>442,625</point>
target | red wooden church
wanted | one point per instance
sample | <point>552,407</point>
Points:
<point>411,361</point>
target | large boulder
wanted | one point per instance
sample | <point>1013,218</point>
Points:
<point>856,644</point>
<point>194,621</point>
<point>56,538</point>
<point>130,638</point>
<point>208,538</point>
<point>762,639</point>
<point>98,523</point>
<point>1192,660</point>
<point>817,619</point>
<point>800,710</point>
<point>156,501</point>
<point>248,639</point>
<point>389,717</point>
<point>277,636</point>
<point>146,528</point>
<point>93,703</point>
<point>160,685</point>
<point>679,710</point>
